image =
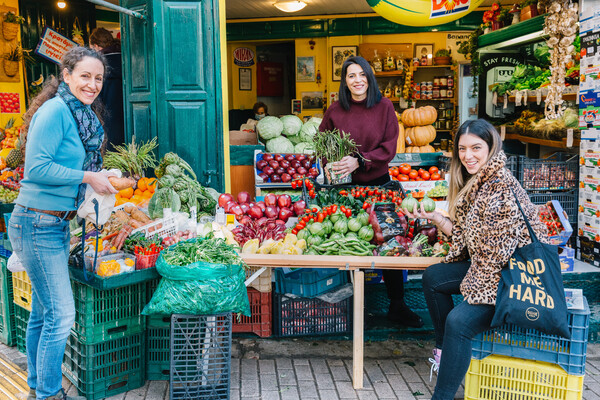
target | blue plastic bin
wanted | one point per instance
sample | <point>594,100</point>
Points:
<point>513,341</point>
<point>309,282</point>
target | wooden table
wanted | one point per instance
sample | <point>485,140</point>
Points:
<point>356,264</point>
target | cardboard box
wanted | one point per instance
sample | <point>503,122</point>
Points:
<point>241,138</point>
<point>553,215</point>
<point>566,255</point>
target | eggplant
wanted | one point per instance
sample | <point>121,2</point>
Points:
<point>428,230</point>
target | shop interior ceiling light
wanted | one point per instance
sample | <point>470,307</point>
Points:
<point>61,4</point>
<point>290,5</point>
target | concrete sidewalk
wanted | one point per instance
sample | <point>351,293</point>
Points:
<point>321,369</point>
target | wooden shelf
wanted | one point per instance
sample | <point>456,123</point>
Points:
<point>533,99</point>
<point>389,74</point>
<point>434,66</point>
<point>544,142</point>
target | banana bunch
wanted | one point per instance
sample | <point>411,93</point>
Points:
<point>407,89</point>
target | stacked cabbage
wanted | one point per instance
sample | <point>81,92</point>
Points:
<point>288,134</point>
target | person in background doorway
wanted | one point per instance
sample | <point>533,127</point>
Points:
<point>371,121</point>
<point>63,139</point>
<point>484,229</point>
<point>111,96</point>
<point>260,110</point>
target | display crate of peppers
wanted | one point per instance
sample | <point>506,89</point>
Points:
<point>146,250</point>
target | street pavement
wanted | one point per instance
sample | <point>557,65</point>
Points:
<point>310,369</point>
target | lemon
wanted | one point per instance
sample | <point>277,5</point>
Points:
<point>251,246</point>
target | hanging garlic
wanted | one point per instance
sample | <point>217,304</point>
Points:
<point>560,25</point>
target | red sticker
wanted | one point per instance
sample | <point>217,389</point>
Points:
<point>10,103</point>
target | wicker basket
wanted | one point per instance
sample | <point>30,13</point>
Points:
<point>11,68</point>
<point>9,30</point>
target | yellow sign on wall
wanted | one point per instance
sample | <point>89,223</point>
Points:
<point>423,12</point>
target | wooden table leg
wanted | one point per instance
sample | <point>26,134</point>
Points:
<point>358,337</point>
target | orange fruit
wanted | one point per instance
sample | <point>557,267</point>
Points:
<point>126,193</point>
<point>136,199</point>
<point>142,184</point>
<point>147,194</point>
<point>151,184</point>
<point>120,201</point>
<point>138,192</point>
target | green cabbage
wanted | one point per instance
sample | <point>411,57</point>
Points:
<point>279,144</point>
<point>304,148</point>
<point>308,131</point>
<point>291,125</point>
<point>295,139</point>
<point>571,118</point>
<point>316,120</point>
<point>269,127</point>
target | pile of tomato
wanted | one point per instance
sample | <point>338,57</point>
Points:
<point>405,172</point>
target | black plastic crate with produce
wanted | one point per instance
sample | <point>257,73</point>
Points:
<point>560,171</point>
<point>200,356</point>
<point>302,316</point>
<point>512,163</point>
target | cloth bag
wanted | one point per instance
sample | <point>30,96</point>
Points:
<point>530,292</point>
<point>106,204</point>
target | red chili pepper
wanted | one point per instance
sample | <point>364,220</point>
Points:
<point>343,209</point>
<point>348,213</point>
<point>311,193</point>
<point>365,205</point>
<point>334,208</point>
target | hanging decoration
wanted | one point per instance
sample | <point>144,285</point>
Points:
<point>561,26</point>
<point>77,33</point>
<point>423,12</point>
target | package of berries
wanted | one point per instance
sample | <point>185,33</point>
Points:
<point>553,216</point>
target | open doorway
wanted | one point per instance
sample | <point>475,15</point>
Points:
<point>276,86</point>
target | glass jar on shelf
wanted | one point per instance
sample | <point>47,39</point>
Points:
<point>377,65</point>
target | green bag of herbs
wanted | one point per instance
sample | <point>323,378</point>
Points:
<point>200,276</point>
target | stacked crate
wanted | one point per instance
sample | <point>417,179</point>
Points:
<point>21,288</point>
<point>7,308</point>
<point>513,362</point>
<point>304,313</point>
<point>589,198</point>
<point>158,331</point>
<point>261,305</point>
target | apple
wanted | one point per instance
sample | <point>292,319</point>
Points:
<point>270,199</point>
<point>285,214</point>
<point>267,157</point>
<point>236,210</point>
<point>284,164</point>
<point>299,207</point>
<point>263,176</point>
<point>275,178</point>
<point>269,170</point>
<point>271,212</point>
<point>243,219</point>
<point>301,170</point>
<point>306,163</point>
<point>314,172</point>
<point>295,163</point>
<point>279,171</point>
<point>243,197</point>
<point>278,157</point>
<point>291,171</point>
<point>300,157</point>
<point>260,164</point>
<point>229,205</point>
<point>245,208</point>
<point>290,157</point>
<point>262,205</point>
<point>224,199</point>
<point>284,200</point>
<point>274,164</point>
<point>296,176</point>
<point>255,212</point>
<point>285,177</point>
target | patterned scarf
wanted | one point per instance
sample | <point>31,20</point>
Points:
<point>91,134</point>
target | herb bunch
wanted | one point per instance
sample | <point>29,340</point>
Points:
<point>132,158</point>
<point>334,145</point>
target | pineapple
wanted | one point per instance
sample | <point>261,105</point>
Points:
<point>7,127</point>
<point>78,35</point>
<point>15,158</point>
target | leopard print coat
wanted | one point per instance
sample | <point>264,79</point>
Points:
<point>488,227</point>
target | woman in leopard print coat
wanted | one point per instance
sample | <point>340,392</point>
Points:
<point>484,230</point>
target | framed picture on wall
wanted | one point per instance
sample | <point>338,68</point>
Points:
<point>245,79</point>
<point>338,56</point>
<point>424,50</point>
<point>305,69</point>
<point>312,100</point>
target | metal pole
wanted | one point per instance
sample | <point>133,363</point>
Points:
<point>119,9</point>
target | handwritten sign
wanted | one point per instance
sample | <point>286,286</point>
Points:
<point>53,45</point>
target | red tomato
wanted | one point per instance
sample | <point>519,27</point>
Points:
<point>404,178</point>
<point>435,176</point>
<point>425,175</point>
<point>413,174</point>
<point>433,170</point>
<point>404,169</point>
<point>421,170</point>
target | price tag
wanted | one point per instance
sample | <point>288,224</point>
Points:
<point>495,98</point>
<point>538,97</point>
<point>518,97</point>
<point>524,97</point>
<point>502,132</point>
<point>505,100</point>
<point>569,137</point>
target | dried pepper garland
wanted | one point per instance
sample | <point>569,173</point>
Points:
<point>561,25</point>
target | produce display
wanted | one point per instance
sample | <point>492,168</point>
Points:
<point>287,134</point>
<point>283,168</point>
<point>405,173</point>
<point>333,145</point>
<point>278,207</point>
<point>550,218</point>
<point>115,266</point>
<point>209,250</point>
<point>419,131</point>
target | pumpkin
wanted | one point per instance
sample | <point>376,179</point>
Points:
<point>401,139</point>
<point>420,135</point>
<point>420,149</point>
<point>419,116</point>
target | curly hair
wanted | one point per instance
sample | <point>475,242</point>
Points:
<point>69,62</point>
<point>101,37</point>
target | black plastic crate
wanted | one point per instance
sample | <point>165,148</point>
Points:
<point>560,171</point>
<point>200,356</point>
<point>512,163</point>
<point>568,200</point>
<point>303,316</point>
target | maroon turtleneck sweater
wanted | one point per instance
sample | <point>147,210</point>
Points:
<point>374,129</point>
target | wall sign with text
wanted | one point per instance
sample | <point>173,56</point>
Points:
<point>53,45</point>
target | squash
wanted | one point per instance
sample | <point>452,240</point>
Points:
<point>400,147</point>
<point>419,116</point>
<point>420,135</point>
<point>420,149</point>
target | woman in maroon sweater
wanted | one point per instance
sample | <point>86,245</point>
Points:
<point>371,121</point>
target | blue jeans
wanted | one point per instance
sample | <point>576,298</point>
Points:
<point>454,327</point>
<point>42,243</point>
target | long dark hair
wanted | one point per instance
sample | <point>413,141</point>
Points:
<point>460,179</point>
<point>373,93</point>
<point>69,62</point>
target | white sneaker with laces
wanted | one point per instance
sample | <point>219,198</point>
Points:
<point>435,362</point>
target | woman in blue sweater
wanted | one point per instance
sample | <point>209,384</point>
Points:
<point>63,153</point>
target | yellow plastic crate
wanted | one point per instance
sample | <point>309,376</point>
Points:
<point>500,377</point>
<point>22,290</point>
<point>263,282</point>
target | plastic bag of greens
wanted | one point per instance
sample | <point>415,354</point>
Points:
<point>199,287</point>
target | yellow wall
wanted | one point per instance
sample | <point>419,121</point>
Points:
<point>13,87</point>
<point>226,95</point>
<point>322,54</point>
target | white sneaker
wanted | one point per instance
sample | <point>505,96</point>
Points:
<point>435,362</point>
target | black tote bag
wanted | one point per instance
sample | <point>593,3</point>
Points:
<point>530,292</point>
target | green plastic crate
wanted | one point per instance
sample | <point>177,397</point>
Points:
<point>21,320</point>
<point>7,307</point>
<point>115,281</point>
<point>102,315</point>
<point>105,369</point>
<point>158,334</point>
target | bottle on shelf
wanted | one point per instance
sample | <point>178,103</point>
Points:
<point>388,90</point>
<point>399,63</point>
<point>377,62</point>
<point>388,63</point>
